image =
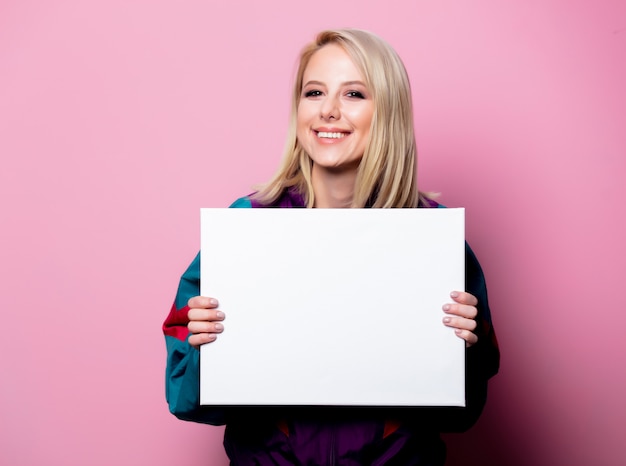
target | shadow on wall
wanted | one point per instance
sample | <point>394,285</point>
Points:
<point>490,442</point>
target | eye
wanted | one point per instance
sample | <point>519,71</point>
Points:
<point>356,94</point>
<point>313,93</point>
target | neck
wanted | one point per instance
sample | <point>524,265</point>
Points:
<point>332,189</point>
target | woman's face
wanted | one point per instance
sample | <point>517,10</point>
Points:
<point>335,110</point>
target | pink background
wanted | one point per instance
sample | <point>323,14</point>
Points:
<point>120,119</point>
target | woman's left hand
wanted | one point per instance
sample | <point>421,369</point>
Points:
<point>461,315</point>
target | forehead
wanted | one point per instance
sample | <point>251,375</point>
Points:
<point>331,62</point>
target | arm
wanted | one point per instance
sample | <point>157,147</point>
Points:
<point>182,374</point>
<point>482,354</point>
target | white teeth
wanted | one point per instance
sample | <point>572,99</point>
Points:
<point>323,134</point>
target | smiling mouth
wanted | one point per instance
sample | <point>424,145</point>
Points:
<point>327,135</point>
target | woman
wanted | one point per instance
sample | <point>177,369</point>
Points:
<point>351,144</point>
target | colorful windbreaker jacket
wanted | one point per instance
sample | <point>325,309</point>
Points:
<point>332,435</point>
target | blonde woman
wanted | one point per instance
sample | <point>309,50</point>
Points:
<point>351,144</point>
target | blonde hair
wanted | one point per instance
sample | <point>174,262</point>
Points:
<point>386,176</point>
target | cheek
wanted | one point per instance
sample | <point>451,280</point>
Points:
<point>300,117</point>
<point>302,136</point>
<point>305,112</point>
<point>368,116</point>
<point>303,121</point>
<point>300,127</point>
<point>361,118</point>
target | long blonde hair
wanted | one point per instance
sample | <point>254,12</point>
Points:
<point>386,176</point>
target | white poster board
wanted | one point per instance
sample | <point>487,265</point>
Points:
<point>333,306</point>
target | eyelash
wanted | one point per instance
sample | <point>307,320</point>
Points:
<point>357,94</point>
<point>316,93</point>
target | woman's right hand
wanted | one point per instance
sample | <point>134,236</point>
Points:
<point>204,320</point>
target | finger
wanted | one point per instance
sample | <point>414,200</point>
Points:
<point>205,314</point>
<point>203,302</point>
<point>201,338</point>
<point>463,310</point>
<point>196,327</point>
<point>469,337</point>
<point>460,323</point>
<point>463,297</point>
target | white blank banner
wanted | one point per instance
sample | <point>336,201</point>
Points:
<point>333,306</point>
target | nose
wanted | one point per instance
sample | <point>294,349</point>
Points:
<point>330,109</point>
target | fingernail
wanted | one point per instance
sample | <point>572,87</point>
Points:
<point>447,320</point>
<point>446,307</point>
<point>219,314</point>
<point>454,294</point>
<point>458,331</point>
<point>219,327</point>
<point>213,302</point>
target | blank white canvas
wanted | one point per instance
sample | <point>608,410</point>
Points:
<point>333,306</point>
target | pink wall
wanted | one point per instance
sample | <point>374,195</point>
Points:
<point>120,119</point>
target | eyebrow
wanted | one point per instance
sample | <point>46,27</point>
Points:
<point>347,83</point>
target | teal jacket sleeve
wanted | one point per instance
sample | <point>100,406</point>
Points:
<point>182,372</point>
<point>482,359</point>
